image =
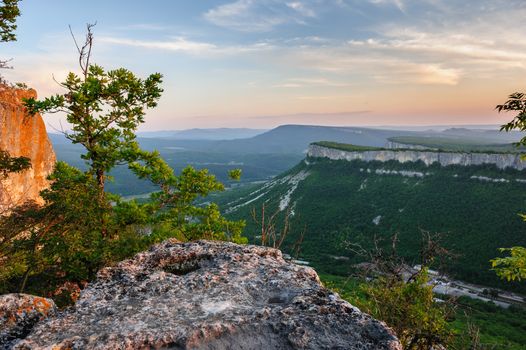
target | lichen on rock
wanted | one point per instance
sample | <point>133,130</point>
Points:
<point>209,295</point>
<point>19,313</point>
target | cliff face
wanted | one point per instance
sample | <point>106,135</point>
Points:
<point>501,160</point>
<point>209,295</point>
<point>23,135</point>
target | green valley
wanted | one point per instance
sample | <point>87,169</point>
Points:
<point>475,208</point>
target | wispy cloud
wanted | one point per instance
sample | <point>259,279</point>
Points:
<point>398,3</point>
<point>321,97</point>
<point>145,27</point>
<point>310,82</point>
<point>447,47</point>
<point>259,15</point>
<point>301,8</point>
<point>393,53</point>
<point>414,73</point>
<point>184,45</point>
<point>177,44</point>
<point>313,116</point>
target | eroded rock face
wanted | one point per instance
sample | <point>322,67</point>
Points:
<point>23,135</point>
<point>500,160</point>
<point>209,295</point>
<point>18,315</point>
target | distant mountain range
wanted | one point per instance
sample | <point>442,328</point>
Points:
<point>296,138</point>
<point>204,134</point>
<point>265,154</point>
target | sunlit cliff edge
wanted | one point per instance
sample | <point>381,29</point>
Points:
<point>23,135</point>
<point>444,158</point>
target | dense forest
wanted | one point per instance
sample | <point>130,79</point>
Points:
<point>341,201</point>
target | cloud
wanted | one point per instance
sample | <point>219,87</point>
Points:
<point>312,116</point>
<point>441,51</point>
<point>441,47</point>
<point>446,47</point>
<point>177,44</point>
<point>259,15</point>
<point>145,27</point>
<point>398,3</point>
<point>321,97</point>
<point>424,74</point>
<point>435,74</point>
<point>183,45</point>
<point>301,8</point>
<point>310,82</point>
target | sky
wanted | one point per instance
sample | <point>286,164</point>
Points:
<point>264,63</point>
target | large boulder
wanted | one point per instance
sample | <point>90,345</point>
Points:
<point>23,135</point>
<point>18,315</point>
<point>209,295</point>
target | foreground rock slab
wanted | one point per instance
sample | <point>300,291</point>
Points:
<point>209,295</point>
<point>18,315</point>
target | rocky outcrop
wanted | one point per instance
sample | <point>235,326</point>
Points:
<point>18,315</point>
<point>500,160</point>
<point>209,295</point>
<point>23,135</point>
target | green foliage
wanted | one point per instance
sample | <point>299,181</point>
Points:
<point>105,109</point>
<point>409,308</point>
<point>10,164</point>
<point>445,145</point>
<point>512,267</point>
<point>401,297</point>
<point>499,328</point>
<point>351,194</point>
<point>82,227</point>
<point>515,103</point>
<point>456,144</point>
<point>346,146</point>
<point>9,11</point>
<point>254,167</point>
<point>235,174</point>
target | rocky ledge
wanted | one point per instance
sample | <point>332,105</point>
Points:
<point>209,295</point>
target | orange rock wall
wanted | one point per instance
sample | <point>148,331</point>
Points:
<point>23,135</point>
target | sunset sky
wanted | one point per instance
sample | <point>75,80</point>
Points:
<point>262,63</point>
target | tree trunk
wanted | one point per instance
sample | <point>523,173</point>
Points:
<point>100,180</point>
<point>99,173</point>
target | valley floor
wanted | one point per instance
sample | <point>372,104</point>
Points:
<point>500,328</point>
<point>445,285</point>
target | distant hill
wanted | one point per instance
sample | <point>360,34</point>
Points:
<point>296,138</point>
<point>204,134</point>
<point>260,157</point>
<point>337,201</point>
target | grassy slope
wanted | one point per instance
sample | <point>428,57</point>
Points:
<point>337,203</point>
